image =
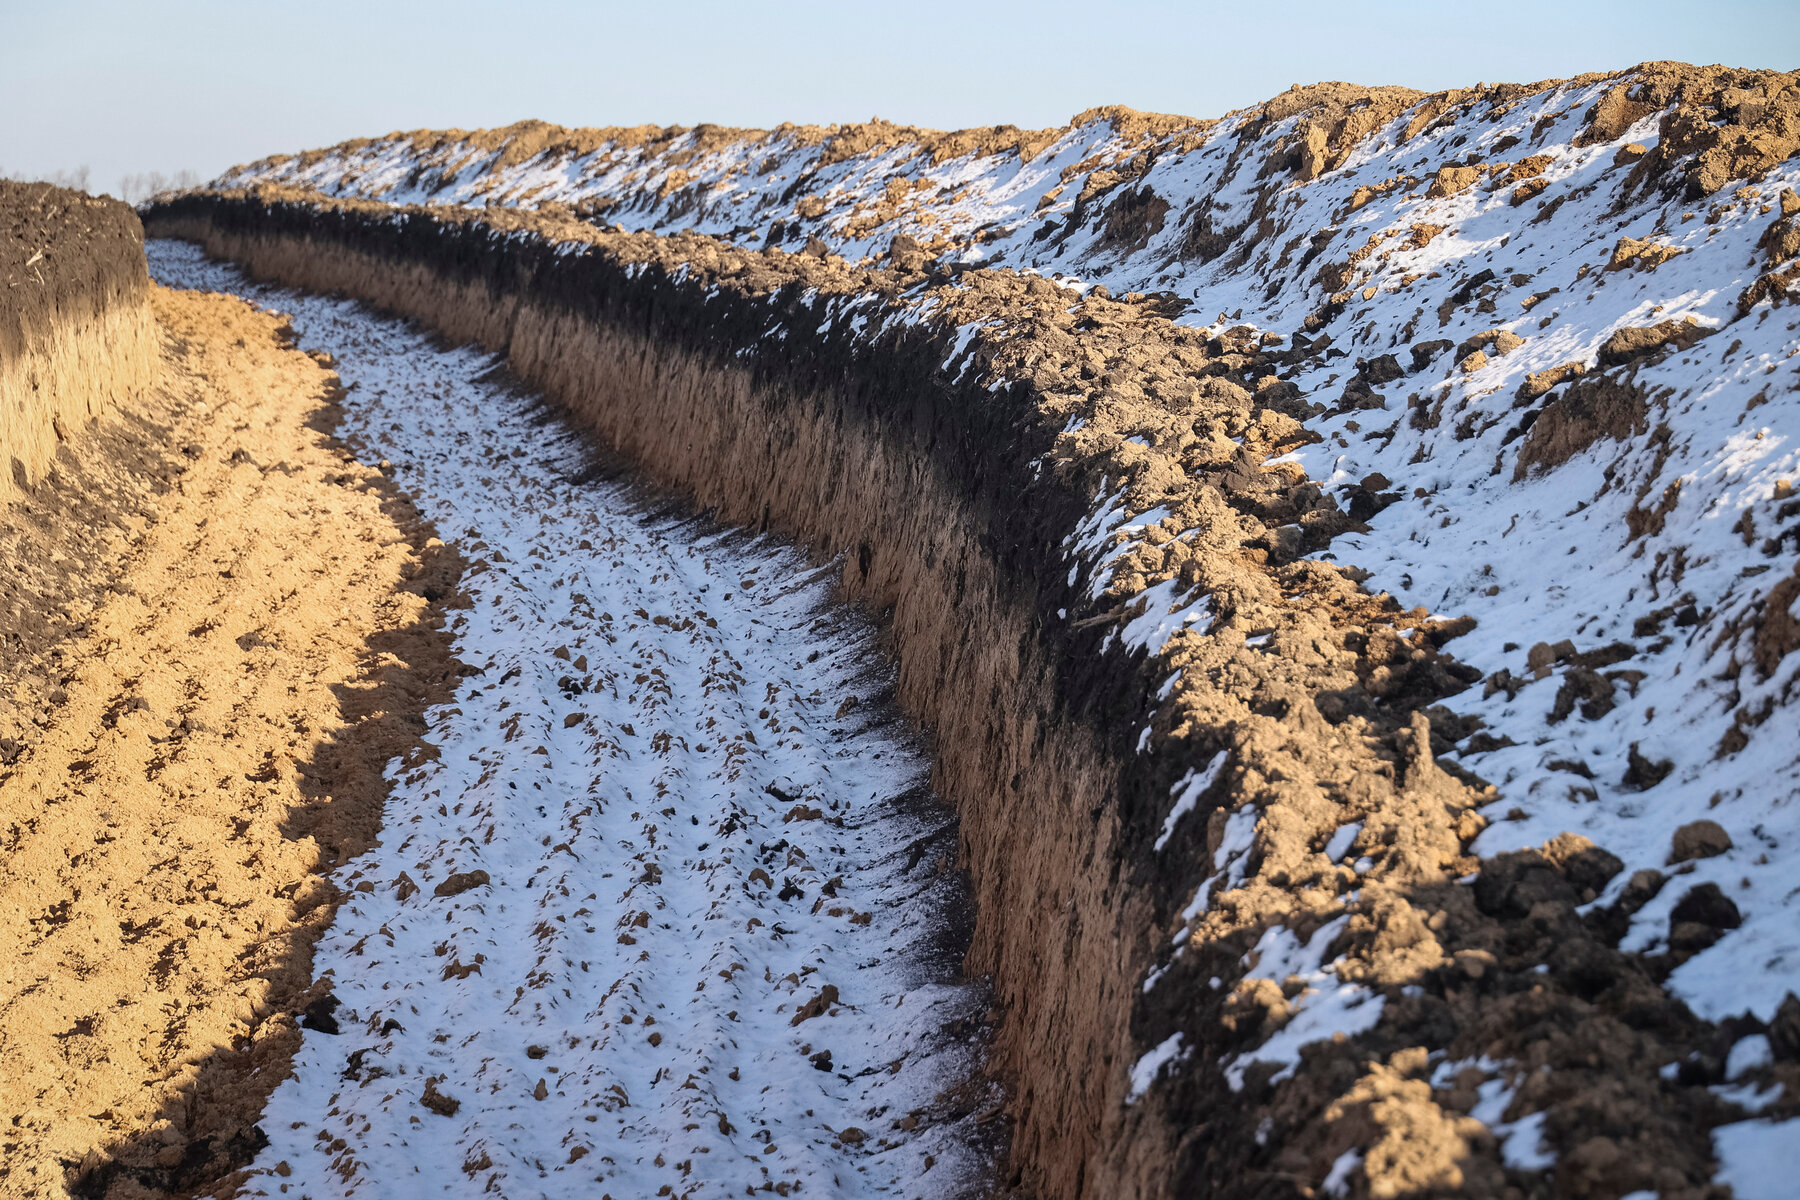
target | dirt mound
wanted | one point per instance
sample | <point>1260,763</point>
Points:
<point>1593,408</point>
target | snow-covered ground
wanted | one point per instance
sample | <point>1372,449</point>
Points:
<point>668,914</point>
<point>1509,228</point>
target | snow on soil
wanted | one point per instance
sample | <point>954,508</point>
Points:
<point>1561,553</point>
<point>709,948</point>
<point>1537,560</point>
<point>1757,1158</point>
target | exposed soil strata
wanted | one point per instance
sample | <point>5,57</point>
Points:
<point>75,327</point>
<point>199,702</point>
<point>900,419</point>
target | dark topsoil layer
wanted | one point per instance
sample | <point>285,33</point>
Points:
<point>63,253</point>
<point>1338,723</point>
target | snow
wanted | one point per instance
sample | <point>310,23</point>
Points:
<point>1234,848</point>
<point>1758,1158</point>
<point>1748,1054</point>
<point>1521,1140</point>
<point>1546,557</point>
<point>1750,1097</point>
<point>1166,613</point>
<point>1522,1143</point>
<point>1348,1009</point>
<point>1342,840</point>
<point>687,837</point>
<point>1187,792</point>
<point>1337,1180</point>
<point>1323,1008</point>
<point>1147,1068</point>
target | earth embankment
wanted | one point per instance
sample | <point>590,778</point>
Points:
<point>75,326</point>
<point>228,642</point>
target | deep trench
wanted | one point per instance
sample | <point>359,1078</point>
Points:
<point>717,921</point>
<point>925,487</point>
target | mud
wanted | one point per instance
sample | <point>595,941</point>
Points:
<point>244,641</point>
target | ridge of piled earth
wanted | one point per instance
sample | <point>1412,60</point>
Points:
<point>1411,920</point>
<point>225,641</point>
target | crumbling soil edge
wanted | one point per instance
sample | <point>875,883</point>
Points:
<point>76,335</point>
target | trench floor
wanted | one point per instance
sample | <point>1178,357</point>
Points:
<point>670,911</point>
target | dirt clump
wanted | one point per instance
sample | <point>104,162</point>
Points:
<point>460,882</point>
<point>222,712</point>
<point>1450,180</point>
<point>1631,343</point>
<point>1722,123</point>
<point>1698,839</point>
<point>1592,408</point>
<point>1539,382</point>
<point>1778,632</point>
<point>1642,254</point>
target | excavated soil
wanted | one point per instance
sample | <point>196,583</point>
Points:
<point>925,478</point>
<point>225,628</point>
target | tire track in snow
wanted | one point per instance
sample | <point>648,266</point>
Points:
<point>666,915</point>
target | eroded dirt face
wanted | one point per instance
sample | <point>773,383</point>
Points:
<point>241,658</point>
<point>75,330</point>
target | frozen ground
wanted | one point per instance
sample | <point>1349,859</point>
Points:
<point>1480,238</point>
<point>669,913</point>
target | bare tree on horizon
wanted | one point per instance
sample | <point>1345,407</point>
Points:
<point>76,179</point>
<point>135,189</point>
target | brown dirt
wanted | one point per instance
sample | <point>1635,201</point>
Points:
<point>1778,633</point>
<point>926,485</point>
<point>75,333</point>
<point>1592,408</point>
<point>1641,341</point>
<point>238,663</point>
<point>1735,124</point>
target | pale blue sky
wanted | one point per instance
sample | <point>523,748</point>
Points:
<point>134,86</point>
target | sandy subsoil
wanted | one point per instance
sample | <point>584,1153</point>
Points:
<point>239,641</point>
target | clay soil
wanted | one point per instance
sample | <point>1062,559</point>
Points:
<point>218,628</point>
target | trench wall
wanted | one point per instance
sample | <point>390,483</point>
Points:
<point>869,449</point>
<point>76,333</point>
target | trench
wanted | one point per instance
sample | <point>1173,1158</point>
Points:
<point>671,909</point>
<point>927,487</point>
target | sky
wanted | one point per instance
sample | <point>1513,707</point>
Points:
<point>130,87</point>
